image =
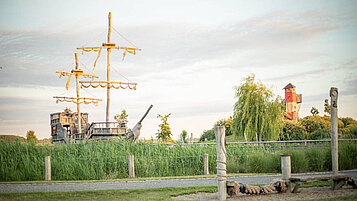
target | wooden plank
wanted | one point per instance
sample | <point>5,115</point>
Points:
<point>297,185</point>
<point>337,184</point>
<point>321,178</point>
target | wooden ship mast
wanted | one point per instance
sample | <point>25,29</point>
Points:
<point>63,124</point>
<point>77,100</point>
<point>108,83</point>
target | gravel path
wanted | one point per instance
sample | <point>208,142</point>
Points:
<point>85,186</point>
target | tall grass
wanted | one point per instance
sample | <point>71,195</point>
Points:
<point>109,160</point>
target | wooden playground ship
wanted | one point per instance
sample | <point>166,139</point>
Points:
<point>68,126</point>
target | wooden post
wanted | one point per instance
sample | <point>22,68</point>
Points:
<point>205,164</point>
<point>334,130</point>
<point>221,162</point>
<point>108,68</point>
<point>78,104</point>
<point>286,169</point>
<point>131,166</point>
<point>48,168</point>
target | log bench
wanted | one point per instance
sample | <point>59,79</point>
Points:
<point>337,181</point>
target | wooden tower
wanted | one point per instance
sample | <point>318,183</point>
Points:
<point>292,102</point>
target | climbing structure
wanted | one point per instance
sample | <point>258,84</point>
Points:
<point>233,188</point>
<point>292,102</point>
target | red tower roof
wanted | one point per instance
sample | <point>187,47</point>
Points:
<point>289,86</point>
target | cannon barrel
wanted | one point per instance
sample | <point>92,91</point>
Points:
<point>146,113</point>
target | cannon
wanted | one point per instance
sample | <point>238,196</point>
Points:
<point>134,134</point>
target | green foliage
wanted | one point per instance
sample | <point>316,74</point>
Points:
<point>347,156</point>
<point>257,115</point>
<point>299,162</point>
<point>226,123</point>
<point>350,127</point>
<point>109,159</point>
<point>11,138</point>
<point>314,111</point>
<point>293,131</point>
<point>184,136</point>
<point>320,134</point>
<point>164,132</point>
<point>30,136</point>
<point>122,118</point>
<point>317,159</point>
<point>209,134</point>
<point>311,125</point>
<point>327,107</point>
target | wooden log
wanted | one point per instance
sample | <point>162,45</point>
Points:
<point>48,168</point>
<point>205,164</point>
<point>221,162</point>
<point>131,166</point>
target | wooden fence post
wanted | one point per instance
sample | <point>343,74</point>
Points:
<point>131,166</point>
<point>221,162</point>
<point>205,164</point>
<point>334,129</point>
<point>48,168</point>
<point>286,169</point>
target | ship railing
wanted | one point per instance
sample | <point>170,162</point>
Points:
<point>105,129</point>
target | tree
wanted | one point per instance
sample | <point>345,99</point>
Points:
<point>164,132</point>
<point>31,136</point>
<point>226,123</point>
<point>293,131</point>
<point>184,136</point>
<point>122,118</point>
<point>314,111</point>
<point>207,134</point>
<point>257,115</point>
<point>327,107</point>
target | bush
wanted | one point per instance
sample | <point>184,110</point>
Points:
<point>320,134</point>
<point>347,156</point>
<point>293,131</point>
<point>299,161</point>
<point>209,134</point>
<point>316,158</point>
<point>311,125</point>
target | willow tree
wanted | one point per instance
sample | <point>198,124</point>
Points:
<point>257,113</point>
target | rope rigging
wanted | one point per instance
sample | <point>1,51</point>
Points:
<point>124,37</point>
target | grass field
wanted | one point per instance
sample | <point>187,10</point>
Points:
<point>131,195</point>
<point>109,160</point>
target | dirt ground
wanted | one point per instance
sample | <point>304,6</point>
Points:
<point>304,194</point>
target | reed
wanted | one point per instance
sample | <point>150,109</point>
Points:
<point>109,160</point>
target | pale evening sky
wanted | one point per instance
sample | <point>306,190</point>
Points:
<point>194,53</point>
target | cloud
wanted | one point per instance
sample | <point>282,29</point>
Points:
<point>277,38</point>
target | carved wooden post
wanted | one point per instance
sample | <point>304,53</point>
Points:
<point>48,168</point>
<point>286,169</point>
<point>131,166</point>
<point>334,129</point>
<point>205,164</point>
<point>221,162</point>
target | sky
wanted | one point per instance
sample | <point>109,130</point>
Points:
<point>193,55</point>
